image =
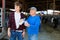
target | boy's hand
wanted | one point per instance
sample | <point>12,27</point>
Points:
<point>23,34</point>
<point>9,33</point>
<point>21,21</point>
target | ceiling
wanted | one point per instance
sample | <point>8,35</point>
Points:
<point>40,4</point>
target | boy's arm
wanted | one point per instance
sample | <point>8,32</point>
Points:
<point>9,25</point>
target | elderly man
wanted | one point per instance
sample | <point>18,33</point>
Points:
<point>32,24</point>
<point>16,27</point>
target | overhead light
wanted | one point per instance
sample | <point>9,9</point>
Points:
<point>12,9</point>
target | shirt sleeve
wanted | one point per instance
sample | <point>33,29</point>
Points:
<point>9,21</point>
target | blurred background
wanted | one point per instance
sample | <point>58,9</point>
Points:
<point>49,10</point>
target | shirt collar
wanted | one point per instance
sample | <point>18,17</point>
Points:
<point>17,13</point>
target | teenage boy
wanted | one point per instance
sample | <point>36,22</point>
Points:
<point>32,24</point>
<point>16,27</point>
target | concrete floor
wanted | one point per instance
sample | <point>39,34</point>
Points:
<point>46,33</point>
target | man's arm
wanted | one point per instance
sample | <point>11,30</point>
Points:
<point>36,25</point>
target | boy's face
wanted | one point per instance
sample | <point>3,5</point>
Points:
<point>17,8</point>
<point>32,12</point>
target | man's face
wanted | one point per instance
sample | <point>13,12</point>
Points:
<point>32,12</point>
<point>17,8</point>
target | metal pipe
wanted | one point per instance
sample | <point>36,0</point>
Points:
<point>3,13</point>
<point>53,6</point>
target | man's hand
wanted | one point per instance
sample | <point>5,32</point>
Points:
<point>27,24</point>
<point>9,34</point>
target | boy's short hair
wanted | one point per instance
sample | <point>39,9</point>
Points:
<point>18,4</point>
